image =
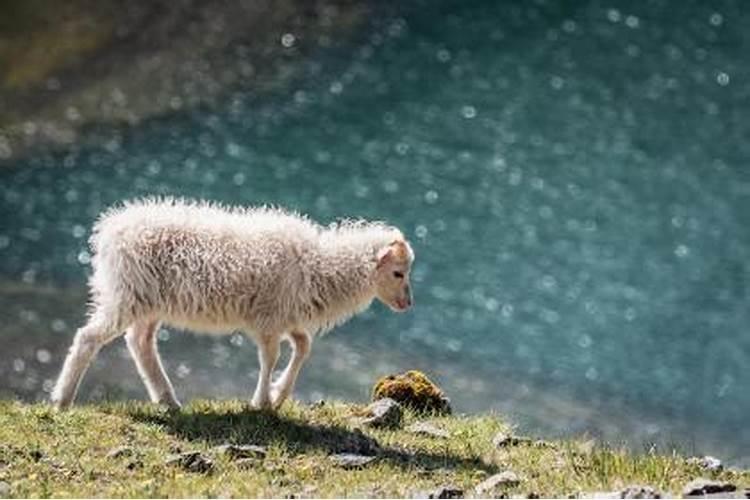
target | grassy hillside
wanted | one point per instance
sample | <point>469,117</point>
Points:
<point>124,450</point>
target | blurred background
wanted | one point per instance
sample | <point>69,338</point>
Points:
<point>573,175</point>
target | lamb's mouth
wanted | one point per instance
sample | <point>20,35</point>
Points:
<point>401,305</point>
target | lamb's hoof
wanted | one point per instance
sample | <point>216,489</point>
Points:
<point>258,404</point>
<point>172,408</point>
<point>170,404</point>
<point>277,398</point>
<point>60,405</point>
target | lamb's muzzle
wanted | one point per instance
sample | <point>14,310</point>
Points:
<point>273,274</point>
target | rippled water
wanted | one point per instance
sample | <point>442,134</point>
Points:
<point>575,181</point>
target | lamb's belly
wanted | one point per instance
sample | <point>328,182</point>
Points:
<point>203,325</point>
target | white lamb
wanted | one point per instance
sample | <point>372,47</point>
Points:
<point>269,273</point>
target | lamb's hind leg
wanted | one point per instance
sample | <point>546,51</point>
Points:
<point>268,355</point>
<point>282,388</point>
<point>88,341</point>
<point>141,340</point>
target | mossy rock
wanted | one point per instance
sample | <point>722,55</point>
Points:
<point>414,390</point>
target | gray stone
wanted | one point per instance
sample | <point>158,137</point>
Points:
<point>427,429</point>
<point>134,464</point>
<point>192,461</point>
<point>441,492</point>
<point>447,492</point>
<point>638,491</point>
<point>239,451</point>
<point>702,486</point>
<point>599,495</point>
<point>385,413</point>
<point>247,463</point>
<point>351,460</point>
<point>633,491</point>
<point>359,443</point>
<point>708,462</point>
<point>502,440</point>
<point>309,491</point>
<point>505,479</point>
<point>4,489</point>
<point>121,451</point>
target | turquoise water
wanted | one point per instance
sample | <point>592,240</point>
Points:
<point>573,176</point>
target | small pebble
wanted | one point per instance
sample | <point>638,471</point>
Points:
<point>121,451</point>
<point>427,429</point>
<point>351,460</point>
<point>638,491</point>
<point>502,440</point>
<point>235,452</point>
<point>702,486</point>
<point>134,464</point>
<point>358,443</point>
<point>505,479</point>
<point>708,462</point>
<point>447,492</point>
<point>192,461</point>
<point>385,413</point>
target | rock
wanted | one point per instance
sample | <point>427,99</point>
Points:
<point>708,462</point>
<point>447,492</point>
<point>702,486</point>
<point>441,492</point>
<point>309,491</point>
<point>439,471</point>
<point>414,390</point>
<point>4,489</point>
<point>239,451</point>
<point>351,460</point>
<point>638,491</point>
<point>505,479</point>
<point>427,429</point>
<point>121,451</point>
<point>247,463</point>
<point>358,443</point>
<point>383,413</point>
<point>134,464</point>
<point>503,440</point>
<point>192,461</point>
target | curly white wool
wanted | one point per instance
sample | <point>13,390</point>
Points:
<point>214,269</point>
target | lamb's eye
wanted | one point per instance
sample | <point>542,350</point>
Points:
<point>398,274</point>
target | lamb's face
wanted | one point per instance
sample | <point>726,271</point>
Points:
<point>392,275</point>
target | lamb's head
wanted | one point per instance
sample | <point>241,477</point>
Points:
<point>392,285</point>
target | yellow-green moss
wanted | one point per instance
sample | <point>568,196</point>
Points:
<point>414,390</point>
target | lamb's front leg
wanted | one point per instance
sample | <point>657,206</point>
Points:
<point>283,387</point>
<point>268,355</point>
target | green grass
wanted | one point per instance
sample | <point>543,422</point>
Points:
<point>64,454</point>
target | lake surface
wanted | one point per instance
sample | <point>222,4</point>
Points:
<point>574,177</point>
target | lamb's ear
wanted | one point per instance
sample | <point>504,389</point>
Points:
<point>384,255</point>
<point>399,249</point>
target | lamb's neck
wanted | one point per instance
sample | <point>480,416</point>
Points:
<point>346,275</point>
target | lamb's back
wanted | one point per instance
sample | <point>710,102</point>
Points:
<point>129,222</point>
